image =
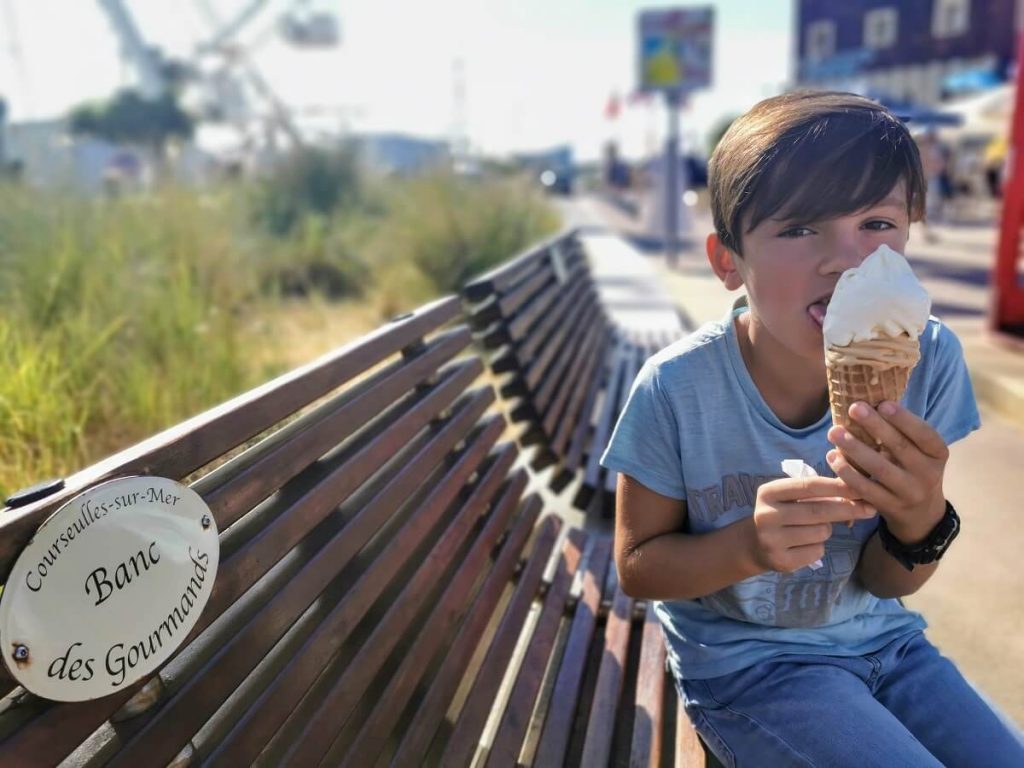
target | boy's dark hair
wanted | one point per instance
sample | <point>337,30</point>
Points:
<point>810,156</point>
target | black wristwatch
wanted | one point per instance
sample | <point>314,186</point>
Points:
<point>928,551</point>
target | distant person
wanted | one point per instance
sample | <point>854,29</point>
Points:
<point>935,164</point>
<point>780,660</point>
<point>994,161</point>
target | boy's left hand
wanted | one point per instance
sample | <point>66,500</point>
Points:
<point>906,486</point>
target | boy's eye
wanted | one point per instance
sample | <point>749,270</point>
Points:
<point>879,225</point>
<point>795,232</point>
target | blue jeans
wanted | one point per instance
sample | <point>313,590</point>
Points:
<point>904,705</point>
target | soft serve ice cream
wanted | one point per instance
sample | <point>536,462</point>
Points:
<point>881,297</point>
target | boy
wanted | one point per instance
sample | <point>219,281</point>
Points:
<point>778,662</point>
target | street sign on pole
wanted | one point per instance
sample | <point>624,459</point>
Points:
<point>674,58</point>
<point>675,49</point>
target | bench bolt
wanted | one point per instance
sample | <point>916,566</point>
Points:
<point>21,652</point>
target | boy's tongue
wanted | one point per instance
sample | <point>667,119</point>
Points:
<point>817,311</point>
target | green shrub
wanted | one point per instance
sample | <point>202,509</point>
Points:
<point>442,230</point>
<point>313,180</point>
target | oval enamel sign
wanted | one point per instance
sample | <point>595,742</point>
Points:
<point>108,588</point>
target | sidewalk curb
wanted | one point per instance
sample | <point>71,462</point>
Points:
<point>1002,394</point>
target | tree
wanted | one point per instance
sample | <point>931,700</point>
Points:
<point>128,118</point>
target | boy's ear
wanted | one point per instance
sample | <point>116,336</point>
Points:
<point>723,262</point>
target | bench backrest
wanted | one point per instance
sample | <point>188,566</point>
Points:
<point>371,525</point>
<point>565,365</point>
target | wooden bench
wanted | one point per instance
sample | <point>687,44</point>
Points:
<point>387,591</point>
<point>566,367</point>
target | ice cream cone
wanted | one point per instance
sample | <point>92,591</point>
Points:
<point>871,325</point>
<point>859,373</point>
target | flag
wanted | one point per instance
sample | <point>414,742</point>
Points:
<point>613,107</point>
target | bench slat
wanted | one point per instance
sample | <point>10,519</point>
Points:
<point>538,288</point>
<point>529,347</point>
<point>268,471</point>
<point>573,381</point>
<point>184,448</point>
<point>418,735</point>
<point>576,411</point>
<point>542,366</point>
<point>557,375</point>
<point>435,635</point>
<point>552,300</point>
<point>478,704</point>
<point>689,752</point>
<point>504,275</point>
<point>648,722</point>
<point>242,569</point>
<point>585,431</point>
<point>608,693</point>
<point>273,706</point>
<point>516,717</point>
<point>539,323</point>
<point>609,412</point>
<point>636,362</point>
<point>554,741</point>
<point>353,684</point>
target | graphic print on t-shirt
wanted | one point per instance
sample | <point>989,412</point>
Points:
<point>735,491</point>
<point>804,598</point>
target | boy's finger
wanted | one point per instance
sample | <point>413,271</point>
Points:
<point>870,491</point>
<point>901,447</point>
<point>797,488</point>
<point>875,465</point>
<point>915,428</point>
<point>824,511</point>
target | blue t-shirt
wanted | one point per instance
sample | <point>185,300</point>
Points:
<point>695,427</point>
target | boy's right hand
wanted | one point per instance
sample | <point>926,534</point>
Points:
<point>793,519</point>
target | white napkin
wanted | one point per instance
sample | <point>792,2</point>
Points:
<point>798,468</point>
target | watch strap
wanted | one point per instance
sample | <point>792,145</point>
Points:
<point>931,549</point>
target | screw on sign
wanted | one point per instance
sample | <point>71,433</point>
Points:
<point>108,588</point>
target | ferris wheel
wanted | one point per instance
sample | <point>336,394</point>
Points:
<point>221,80</point>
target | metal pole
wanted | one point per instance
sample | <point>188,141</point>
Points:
<point>672,191</point>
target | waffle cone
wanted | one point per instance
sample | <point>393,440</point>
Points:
<point>848,384</point>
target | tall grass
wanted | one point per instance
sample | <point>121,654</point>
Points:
<point>121,317</point>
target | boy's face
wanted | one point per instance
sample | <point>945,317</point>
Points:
<point>789,267</point>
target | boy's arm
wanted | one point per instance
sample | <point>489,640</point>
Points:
<point>792,520</point>
<point>883,576</point>
<point>657,562</point>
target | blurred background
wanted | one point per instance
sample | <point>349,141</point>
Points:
<point>198,195</point>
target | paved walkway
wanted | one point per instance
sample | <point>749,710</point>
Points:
<point>973,603</point>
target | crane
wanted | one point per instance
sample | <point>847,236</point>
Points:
<point>152,83</point>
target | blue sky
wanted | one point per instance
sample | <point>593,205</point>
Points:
<point>536,72</point>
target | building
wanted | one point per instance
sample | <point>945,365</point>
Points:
<point>398,154</point>
<point>911,50</point>
<point>44,154</point>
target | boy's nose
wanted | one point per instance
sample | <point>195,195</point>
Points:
<point>843,256</point>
